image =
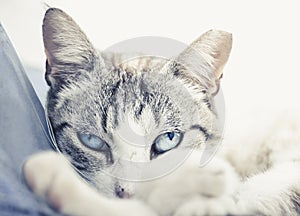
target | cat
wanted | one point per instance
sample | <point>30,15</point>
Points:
<point>111,116</point>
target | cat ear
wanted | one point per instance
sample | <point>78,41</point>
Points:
<point>203,61</point>
<point>67,48</point>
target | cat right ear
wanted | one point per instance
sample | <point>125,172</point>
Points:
<point>68,50</point>
<point>202,62</point>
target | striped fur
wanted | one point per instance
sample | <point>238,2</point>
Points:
<point>101,93</point>
<point>106,93</point>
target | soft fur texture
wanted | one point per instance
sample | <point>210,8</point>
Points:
<point>104,94</point>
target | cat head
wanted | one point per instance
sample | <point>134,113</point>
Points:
<point>113,115</point>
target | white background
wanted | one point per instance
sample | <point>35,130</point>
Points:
<point>260,80</point>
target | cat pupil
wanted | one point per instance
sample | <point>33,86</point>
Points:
<point>171,135</point>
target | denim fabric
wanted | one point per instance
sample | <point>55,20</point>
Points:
<point>23,132</point>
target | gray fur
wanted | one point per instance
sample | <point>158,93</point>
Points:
<point>97,92</point>
<point>93,92</point>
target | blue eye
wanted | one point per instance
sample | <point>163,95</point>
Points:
<point>167,141</point>
<point>92,141</point>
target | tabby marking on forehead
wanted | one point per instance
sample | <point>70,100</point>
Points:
<point>144,124</point>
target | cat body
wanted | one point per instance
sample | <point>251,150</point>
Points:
<point>137,128</point>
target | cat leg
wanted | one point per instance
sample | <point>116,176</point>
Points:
<point>51,176</point>
<point>274,192</point>
<point>200,205</point>
<point>193,190</point>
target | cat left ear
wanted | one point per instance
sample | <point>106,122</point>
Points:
<point>67,48</point>
<point>202,62</point>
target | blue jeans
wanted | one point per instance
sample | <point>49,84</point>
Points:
<point>23,132</point>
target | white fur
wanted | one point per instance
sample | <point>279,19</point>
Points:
<point>271,191</point>
<point>51,176</point>
<point>214,189</point>
<point>262,176</point>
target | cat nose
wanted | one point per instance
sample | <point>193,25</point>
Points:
<point>121,192</point>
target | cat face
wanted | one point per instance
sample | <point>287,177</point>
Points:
<point>116,118</point>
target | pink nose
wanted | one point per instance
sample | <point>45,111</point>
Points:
<point>121,192</point>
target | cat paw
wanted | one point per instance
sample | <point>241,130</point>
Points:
<point>50,176</point>
<point>214,183</point>
<point>199,206</point>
